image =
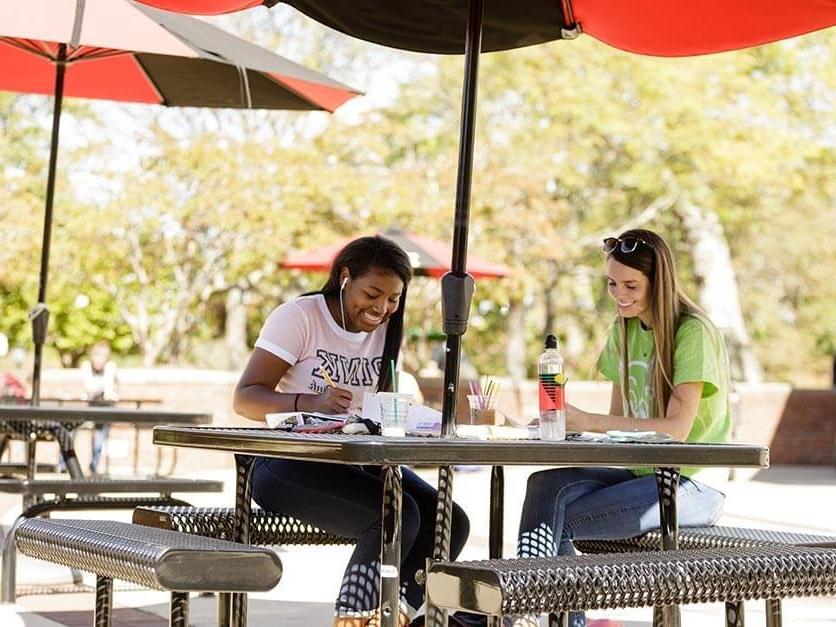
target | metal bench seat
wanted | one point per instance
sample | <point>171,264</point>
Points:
<point>266,528</point>
<point>153,558</point>
<point>710,538</point>
<point>631,580</point>
<point>42,496</point>
<point>706,538</point>
<point>107,485</point>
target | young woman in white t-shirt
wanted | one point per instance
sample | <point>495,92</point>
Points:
<point>352,328</point>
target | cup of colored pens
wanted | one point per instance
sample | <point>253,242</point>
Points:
<point>482,400</point>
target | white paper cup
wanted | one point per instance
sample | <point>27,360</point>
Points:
<point>394,412</point>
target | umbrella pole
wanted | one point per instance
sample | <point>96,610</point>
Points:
<point>40,314</point>
<point>457,286</point>
<point>456,294</point>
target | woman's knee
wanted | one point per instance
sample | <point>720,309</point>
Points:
<point>411,520</point>
<point>549,482</point>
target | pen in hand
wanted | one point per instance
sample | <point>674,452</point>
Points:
<point>333,400</point>
<point>327,377</point>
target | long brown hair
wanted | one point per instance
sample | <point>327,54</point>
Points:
<point>669,306</point>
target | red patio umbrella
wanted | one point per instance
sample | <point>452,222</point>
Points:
<point>207,7</point>
<point>429,257</point>
<point>121,50</point>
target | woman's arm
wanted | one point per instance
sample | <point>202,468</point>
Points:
<point>682,410</point>
<point>616,403</point>
<point>255,395</point>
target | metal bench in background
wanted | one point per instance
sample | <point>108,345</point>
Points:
<point>42,496</point>
<point>558,585</point>
<point>266,528</point>
<point>153,558</point>
<point>711,538</point>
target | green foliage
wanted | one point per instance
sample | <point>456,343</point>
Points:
<point>574,141</point>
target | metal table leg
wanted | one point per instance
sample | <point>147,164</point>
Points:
<point>179,610</point>
<point>104,602</point>
<point>734,614</point>
<point>496,527</point>
<point>773,613</point>
<point>66,444</point>
<point>232,608</point>
<point>136,449</point>
<point>496,530</point>
<point>437,617</point>
<point>390,549</point>
<point>667,480</point>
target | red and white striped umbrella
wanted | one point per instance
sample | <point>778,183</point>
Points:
<point>122,50</point>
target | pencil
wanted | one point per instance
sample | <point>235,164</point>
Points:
<point>327,377</point>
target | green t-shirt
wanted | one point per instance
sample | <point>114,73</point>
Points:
<point>699,355</point>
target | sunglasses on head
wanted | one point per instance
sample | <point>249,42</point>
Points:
<point>628,244</point>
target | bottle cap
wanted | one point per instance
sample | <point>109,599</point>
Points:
<point>551,341</point>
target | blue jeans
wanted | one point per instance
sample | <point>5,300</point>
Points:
<point>568,504</point>
<point>347,500</point>
<point>100,435</point>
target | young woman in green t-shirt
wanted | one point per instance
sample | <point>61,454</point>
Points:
<point>675,367</point>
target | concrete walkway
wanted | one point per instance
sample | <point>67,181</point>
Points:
<point>793,498</point>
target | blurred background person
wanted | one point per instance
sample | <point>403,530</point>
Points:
<point>98,375</point>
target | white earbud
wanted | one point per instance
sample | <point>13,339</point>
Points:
<point>345,280</point>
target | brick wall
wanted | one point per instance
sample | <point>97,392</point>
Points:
<point>798,425</point>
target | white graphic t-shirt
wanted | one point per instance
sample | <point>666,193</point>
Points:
<point>303,333</point>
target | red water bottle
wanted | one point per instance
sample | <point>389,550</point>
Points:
<point>552,400</point>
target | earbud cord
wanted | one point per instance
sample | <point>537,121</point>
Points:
<point>345,340</point>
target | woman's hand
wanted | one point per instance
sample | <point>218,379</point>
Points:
<point>576,419</point>
<point>333,400</point>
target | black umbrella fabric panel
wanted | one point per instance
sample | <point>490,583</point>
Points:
<point>437,26</point>
<point>200,83</point>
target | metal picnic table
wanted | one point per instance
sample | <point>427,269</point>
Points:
<point>137,402</point>
<point>392,452</point>
<point>28,422</point>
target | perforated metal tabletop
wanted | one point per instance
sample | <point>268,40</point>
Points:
<point>379,450</point>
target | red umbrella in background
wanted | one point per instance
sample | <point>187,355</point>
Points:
<point>429,257</point>
<point>207,7</point>
<point>121,50</point>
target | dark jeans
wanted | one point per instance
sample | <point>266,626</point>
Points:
<point>100,435</point>
<point>347,500</point>
<point>568,504</point>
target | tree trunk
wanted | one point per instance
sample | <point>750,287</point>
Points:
<point>235,329</point>
<point>718,293</point>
